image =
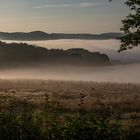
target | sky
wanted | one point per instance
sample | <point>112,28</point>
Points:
<point>67,16</point>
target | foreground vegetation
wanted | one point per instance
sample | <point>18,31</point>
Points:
<point>44,110</point>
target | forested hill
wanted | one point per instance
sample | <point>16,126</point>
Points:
<point>22,54</point>
<point>39,35</point>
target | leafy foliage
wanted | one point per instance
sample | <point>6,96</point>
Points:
<point>54,124</point>
<point>131,26</point>
<point>22,54</point>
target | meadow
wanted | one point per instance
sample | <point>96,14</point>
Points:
<point>45,109</point>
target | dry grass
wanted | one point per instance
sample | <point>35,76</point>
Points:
<point>123,100</point>
<point>120,98</point>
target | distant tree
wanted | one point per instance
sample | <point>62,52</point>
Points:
<point>22,54</point>
<point>131,26</point>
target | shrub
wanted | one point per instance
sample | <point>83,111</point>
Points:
<point>53,123</point>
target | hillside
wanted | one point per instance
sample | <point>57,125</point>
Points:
<point>39,35</point>
<point>22,54</point>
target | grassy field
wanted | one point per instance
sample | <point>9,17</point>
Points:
<point>122,101</point>
<point>124,98</point>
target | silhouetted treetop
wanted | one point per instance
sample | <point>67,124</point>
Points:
<point>24,54</point>
<point>131,26</point>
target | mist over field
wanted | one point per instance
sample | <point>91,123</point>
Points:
<point>123,72</point>
<point>110,47</point>
<point>69,69</point>
<point>120,74</point>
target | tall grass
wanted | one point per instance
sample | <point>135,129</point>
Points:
<point>53,123</point>
<point>107,119</point>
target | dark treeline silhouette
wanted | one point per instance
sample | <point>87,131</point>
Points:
<point>22,54</point>
<point>39,35</point>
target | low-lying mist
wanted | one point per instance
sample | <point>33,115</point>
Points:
<point>115,73</point>
<point>109,47</point>
<point>118,73</point>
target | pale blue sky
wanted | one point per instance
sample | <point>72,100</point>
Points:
<point>69,16</point>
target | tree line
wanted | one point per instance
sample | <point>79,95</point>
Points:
<point>24,54</point>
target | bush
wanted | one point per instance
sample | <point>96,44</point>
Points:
<point>54,124</point>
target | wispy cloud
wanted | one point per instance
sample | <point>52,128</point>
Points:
<point>80,5</point>
<point>53,6</point>
<point>87,4</point>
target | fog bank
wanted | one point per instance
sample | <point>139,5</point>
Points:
<point>110,47</point>
<point>121,74</point>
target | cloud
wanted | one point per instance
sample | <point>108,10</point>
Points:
<point>87,4</point>
<point>53,6</point>
<point>80,5</point>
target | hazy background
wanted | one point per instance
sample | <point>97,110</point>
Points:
<point>65,16</point>
<point>110,47</point>
<point>121,74</point>
<point>72,16</point>
<point>127,72</point>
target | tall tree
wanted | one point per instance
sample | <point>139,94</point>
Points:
<point>131,26</point>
